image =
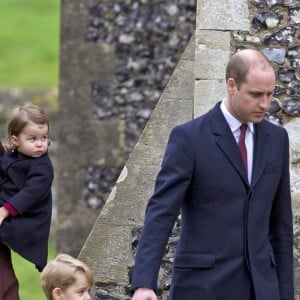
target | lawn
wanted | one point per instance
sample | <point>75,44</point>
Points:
<point>29,277</point>
<point>29,43</point>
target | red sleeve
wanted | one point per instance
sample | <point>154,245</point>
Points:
<point>12,211</point>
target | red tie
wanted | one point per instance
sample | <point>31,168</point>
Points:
<point>242,145</point>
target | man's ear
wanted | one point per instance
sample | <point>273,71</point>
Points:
<point>231,85</point>
<point>57,293</point>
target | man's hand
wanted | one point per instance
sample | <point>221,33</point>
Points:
<point>143,293</point>
<point>3,214</point>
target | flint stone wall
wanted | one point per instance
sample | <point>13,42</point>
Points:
<point>270,26</point>
<point>116,58</point>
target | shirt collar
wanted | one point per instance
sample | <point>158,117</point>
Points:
<point>233,123</point>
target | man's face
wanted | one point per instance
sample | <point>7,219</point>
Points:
<point>250,101</point>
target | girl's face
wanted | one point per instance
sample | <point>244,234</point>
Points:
<point>32,141</point>
<point>79,290</point>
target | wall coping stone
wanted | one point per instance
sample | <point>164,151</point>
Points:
<point>108,248</point>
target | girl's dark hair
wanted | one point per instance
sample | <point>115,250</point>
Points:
<point>2,149</point>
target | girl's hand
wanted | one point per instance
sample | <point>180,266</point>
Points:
<point>3,214</point>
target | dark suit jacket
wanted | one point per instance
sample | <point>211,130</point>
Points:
<point>234,237</point>
<point>26,184</point>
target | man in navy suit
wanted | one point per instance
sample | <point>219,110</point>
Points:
<point>236,240</point>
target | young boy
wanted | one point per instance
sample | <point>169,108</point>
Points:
<point>67,278</point>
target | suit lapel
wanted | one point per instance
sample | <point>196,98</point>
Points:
<point>262,148</point>
<point>225,140</point>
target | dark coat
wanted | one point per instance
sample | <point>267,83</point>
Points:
<point>234,236</point>
<point>26,184</point>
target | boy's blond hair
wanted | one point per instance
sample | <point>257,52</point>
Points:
<point>60,273</point>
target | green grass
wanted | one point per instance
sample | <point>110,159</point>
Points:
<point>29,277</point>
<point>29,43</point>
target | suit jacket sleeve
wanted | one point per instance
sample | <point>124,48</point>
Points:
<point>171,187</point>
